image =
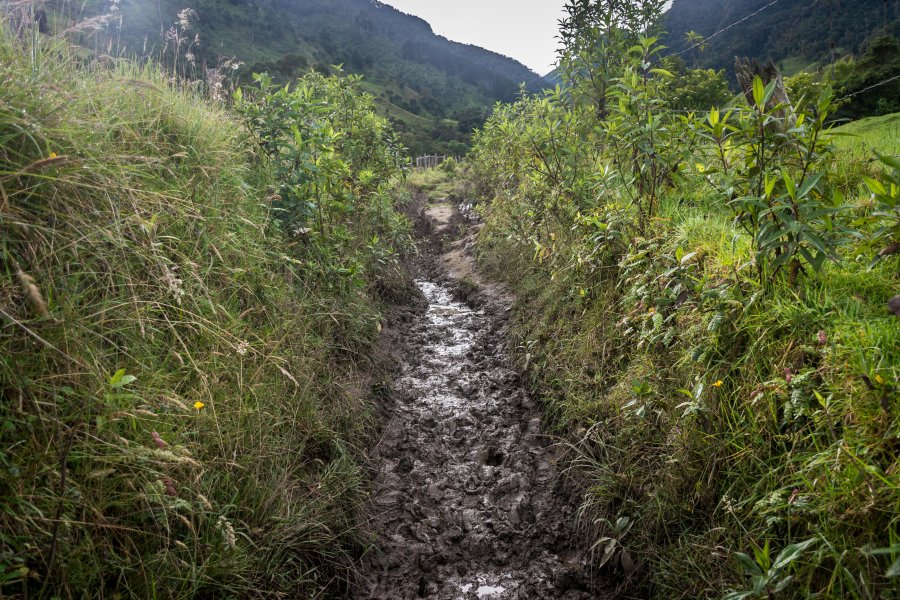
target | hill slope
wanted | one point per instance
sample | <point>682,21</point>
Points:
<point>794,33</point>
<point>434,90</point>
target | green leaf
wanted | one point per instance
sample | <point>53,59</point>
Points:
<point>895,549</point>
<point>117,377</point>
<point>834,133</point>
<point>759,92</point>
<point>770,186</point>
<point>770,91</point>
<point>789,182</point>
<point>891,161</point>
<point>809,184</point>
<point>662,72</point>
<point>894,570</point>
<point>747,564</point>
<point>875,186</point>
<point>792,553</point>
<point>124,381</point>
<point>781,260</point>
<point>782,585</point>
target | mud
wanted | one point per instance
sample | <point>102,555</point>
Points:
<point>468,502</point>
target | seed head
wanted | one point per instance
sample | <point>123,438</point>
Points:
<point>160,443</point>
<point>33,292</point>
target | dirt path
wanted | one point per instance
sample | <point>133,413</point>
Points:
<point>467,498</point>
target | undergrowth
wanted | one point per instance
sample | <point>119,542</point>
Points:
<point>703,309</point>
<point>183,396</point>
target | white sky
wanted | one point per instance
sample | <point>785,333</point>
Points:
<point>522,29</point>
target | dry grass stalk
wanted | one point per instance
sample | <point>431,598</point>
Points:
<point>33,292</point>
<point>97,23</point>
<point>40,165</point>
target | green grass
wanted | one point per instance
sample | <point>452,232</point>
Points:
<point>701,487</point>
<point>796,64</point>
<point>872,134</point>
<point>178,415</point>
<point>437,184</point>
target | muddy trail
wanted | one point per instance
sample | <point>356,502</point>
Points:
<point>468,502</point>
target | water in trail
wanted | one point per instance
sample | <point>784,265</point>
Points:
<point>466,497</point>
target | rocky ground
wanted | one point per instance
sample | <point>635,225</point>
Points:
<point>468,502</point>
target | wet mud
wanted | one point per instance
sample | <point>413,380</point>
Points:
<point>467,501</point>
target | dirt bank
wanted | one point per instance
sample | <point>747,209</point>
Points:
<point>468,502</point>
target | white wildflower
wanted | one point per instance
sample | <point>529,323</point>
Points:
<point>174,283</point>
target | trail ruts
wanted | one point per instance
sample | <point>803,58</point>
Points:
<point>467,498</point>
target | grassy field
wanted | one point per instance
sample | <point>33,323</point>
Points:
<point>183,408</point>
<point>869,135</point>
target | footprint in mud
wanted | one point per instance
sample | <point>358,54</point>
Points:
<point>466,498</point>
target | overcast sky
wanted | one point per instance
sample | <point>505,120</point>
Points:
<point>523,29</point>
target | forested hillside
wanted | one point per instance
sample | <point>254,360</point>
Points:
<point>433,90</point>
<point>850,45</point>
<point>794,33</point>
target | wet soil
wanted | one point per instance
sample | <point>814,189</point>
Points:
<point>468,502</point>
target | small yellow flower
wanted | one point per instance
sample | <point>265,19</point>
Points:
<point>199,405</point>
<point>53,155</point>
<point>651,311</point>
<point>582,292</point>
<point>879,379</point>
<point>719,383</point>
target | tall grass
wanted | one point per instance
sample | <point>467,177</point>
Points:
<point>176,419</point>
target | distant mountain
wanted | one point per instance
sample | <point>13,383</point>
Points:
<point>553,77</point>
<point>434,90</point>
<point>794,33</point>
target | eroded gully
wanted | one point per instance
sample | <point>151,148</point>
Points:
<point>468,502</point>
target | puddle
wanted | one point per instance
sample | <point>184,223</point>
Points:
<point>486,588</point>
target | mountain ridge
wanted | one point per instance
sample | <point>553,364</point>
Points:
<point>433,89</point>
